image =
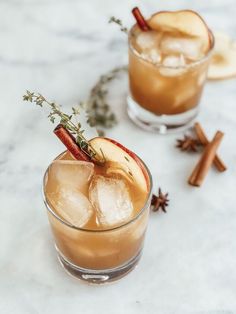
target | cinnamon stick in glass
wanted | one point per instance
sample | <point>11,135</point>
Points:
<point>69,141</point>
<point>206,160</point>
<point>204,141</point>
<point>142,23</point>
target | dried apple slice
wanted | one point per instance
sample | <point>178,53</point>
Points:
<point>187,22</point>
<point>223,61</point>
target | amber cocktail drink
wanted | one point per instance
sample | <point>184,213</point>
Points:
<point>168,65</point>
<point>98,214</point>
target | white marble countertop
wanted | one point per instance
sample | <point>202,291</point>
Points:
<point>59,48</point>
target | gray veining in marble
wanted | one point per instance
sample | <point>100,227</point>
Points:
<point>60,48</point>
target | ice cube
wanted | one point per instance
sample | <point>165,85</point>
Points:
<point>71,173</point>
<point>147,40</point>
<point>174,61</point>
<point>111,200</point>
<point>173,65</point>
<point>152,55</point>
<point>191,48</point>
<point>185,94</point>
<point>71,205</point>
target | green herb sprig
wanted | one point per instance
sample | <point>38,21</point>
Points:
<point>67,120</point>
<point>98,110</point>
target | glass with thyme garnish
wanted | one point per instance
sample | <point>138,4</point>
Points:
<point>98,196</point>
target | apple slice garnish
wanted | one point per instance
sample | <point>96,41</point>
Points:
<point>120,170</point>
<point>116,153</point>
<point>187,22</point>
<point>223,60</point>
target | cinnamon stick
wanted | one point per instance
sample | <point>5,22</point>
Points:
<point>142,23</point>
<point>69,141</point>
<point>202,167</point>
<point>219,164</point>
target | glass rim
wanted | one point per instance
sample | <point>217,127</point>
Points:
<point>63,221</point>
<point>159,65</point>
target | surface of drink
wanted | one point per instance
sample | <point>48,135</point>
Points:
<point>167,68</point>
<point>101,211</point>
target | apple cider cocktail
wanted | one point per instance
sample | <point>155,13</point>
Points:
<point>98,195</point>
<point>168,63</point>
<point>98,213</point>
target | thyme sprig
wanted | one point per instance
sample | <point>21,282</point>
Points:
<point>113,19</point>
<point>98,110</point>
<point>67,120</point>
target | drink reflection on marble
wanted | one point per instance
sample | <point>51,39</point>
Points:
<point>98,216</point>
<point>168,65</point>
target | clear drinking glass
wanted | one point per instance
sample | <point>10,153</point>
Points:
<point>99,256</point>
<point>164,98</point>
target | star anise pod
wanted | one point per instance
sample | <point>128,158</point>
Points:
<point>188,144</point>
<point>159,201</point>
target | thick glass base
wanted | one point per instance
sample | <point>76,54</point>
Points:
<point>161,124</point>
<point>98,276</point>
